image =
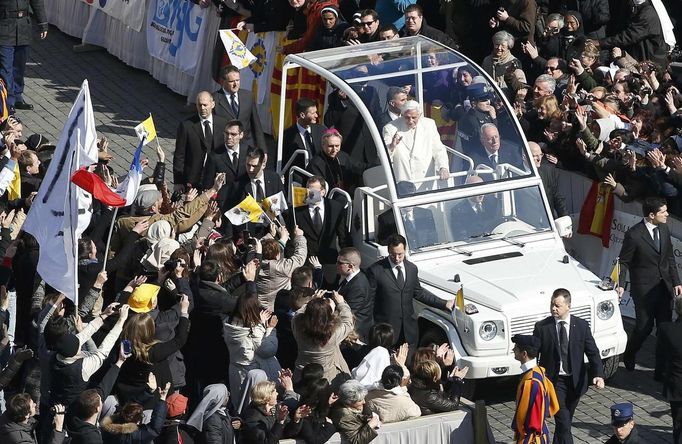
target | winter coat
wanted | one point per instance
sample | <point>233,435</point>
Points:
<point>329,38</point>
<point>217,430</point>
<point>16,433</point>
<point>260,428</point>
<point>15,23</point>
<point>250,348</point>
<point>497,68</point>
<point>352,424</point>
<point>130,433</point>
<point>431,399</point>
<point>329,355</point>
<point>275,275</point>
<point>643,36</point>
<point>521,21</point>
<point>174,432</point>
<point>393,405</point>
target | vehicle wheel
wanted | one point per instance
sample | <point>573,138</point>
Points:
<point>431,336</point>
<point>610,366</point>
<point>469,389</point>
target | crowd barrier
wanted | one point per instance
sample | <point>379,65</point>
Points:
<point>180,33</point>
<point>589,249</point>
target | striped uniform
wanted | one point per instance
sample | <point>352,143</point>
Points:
<point>535,401</point>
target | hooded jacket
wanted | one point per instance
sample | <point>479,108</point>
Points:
<point>17,433</point>
<point>130,433</point>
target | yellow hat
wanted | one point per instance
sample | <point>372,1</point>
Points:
<point>143,298</point>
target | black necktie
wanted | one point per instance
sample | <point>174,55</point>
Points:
<point>341,285</point>
<point>657,240</point>
<point>235,160</point>
<point>317,220</point>
<point>235,106</point>
<point>493,160</point>
<point>260,195</point>
<point>309,142</point>
<point>563,346</point>
<point>401,277</point>
<point>208,134</point>
<point>479,208</point>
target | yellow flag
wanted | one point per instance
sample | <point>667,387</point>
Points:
<point>146,129</point>
<point>459,299</point>
<point>14,187</point>
<point>247,210</point>
<point>300,195</point>
<point>615,272</point>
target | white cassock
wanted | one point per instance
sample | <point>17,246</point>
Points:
<point>419,154</point>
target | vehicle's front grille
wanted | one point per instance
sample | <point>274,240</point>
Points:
<point>524,325</point>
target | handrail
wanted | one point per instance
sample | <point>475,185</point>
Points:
<point>349,205</point>
<point>368,191</point>
<point>461,156</point>
<point>305,153</point>
<point>292,170</point>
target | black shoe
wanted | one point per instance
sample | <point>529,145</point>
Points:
<point>629,363</point>
<point>23,105</point>
<point>11,111</point>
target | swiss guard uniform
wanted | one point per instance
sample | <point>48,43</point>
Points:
<point>535,402</point>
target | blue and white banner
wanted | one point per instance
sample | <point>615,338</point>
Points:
<point>174,32</point>
<point>129,12</point>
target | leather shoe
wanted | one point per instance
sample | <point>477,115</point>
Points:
<point>23,105</point>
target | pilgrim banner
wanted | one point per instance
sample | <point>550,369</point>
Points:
<point>128,12</point>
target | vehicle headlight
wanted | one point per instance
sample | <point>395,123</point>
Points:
<point>605,310</point>
<point>488,330</point>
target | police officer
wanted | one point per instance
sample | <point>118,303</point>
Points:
<point>623,422</point>
<point>482,111</point>
<point>15,36</point>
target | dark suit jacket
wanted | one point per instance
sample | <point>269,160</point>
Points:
<point>242,187</point>
<point>465,222</point>
<point>550,181</point>
<point>349,170</point>
<point>191,148</point>
<point>669,346</point>
<point>323,245</point>
<point>647,266</point>
<point>292,141</point>
<point>383,119</point>
<point>393,304</point>
<point>219,162</point>
<point>580,342</point>
<point>504,155</point>
<point>248,115</point>
<point>345,117</point>
<point>424,232</point>
<point>356,293</point>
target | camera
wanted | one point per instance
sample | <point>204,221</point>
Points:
<point>329,294</point>
<point>170,265</point>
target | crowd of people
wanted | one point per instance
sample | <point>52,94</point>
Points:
<point>198,329</point>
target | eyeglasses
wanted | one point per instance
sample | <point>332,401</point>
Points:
<point>411,18</point>
<point>367,23</point>
<point>551,68</point>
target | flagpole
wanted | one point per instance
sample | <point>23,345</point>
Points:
<point>111,230</point>
<point>74,227</point>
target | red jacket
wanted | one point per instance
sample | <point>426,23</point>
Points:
<point>313,22</point>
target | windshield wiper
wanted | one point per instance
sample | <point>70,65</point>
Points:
<point>513,242</point>
<point>484,235</point>
<point>461,251</point>
<point>441,244</point>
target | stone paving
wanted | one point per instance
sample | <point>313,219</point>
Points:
<point>123,96</point>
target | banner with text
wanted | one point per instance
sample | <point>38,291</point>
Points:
<point>129,12</point>
<point>175,32</point>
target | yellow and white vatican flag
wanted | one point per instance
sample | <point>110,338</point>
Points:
<point>146,131</point>
<point>248,210</point>
<point>239,54</point>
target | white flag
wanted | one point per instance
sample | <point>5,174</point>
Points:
<point>239,55</point>
<point>276,204</point>
<point>61,211</point>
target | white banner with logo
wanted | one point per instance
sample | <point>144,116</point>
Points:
<point>174,32</point>
<point>130,12</point>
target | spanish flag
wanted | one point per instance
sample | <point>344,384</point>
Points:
<point>146,130</point>
<point>459,299</point>
<point>597,212</point>
<point>615,272</point>
<point>245,211</point>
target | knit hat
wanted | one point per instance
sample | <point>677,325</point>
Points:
<point>177,405</point>
<point>35,140</point>
<point>331,9</point>
<point>68,345</point>
<point>143,297</point>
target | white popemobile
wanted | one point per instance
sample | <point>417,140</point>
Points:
<point>487,229</point>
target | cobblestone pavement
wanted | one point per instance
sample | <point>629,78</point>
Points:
<point>123,96</point>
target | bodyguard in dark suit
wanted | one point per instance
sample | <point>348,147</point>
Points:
<point>196,138</point>
<point>234,103</point>
<point>565,340</point>
<point>324,226</point>
<point>476,215</point>
<point>229,158</point>
<point>354,288</point>
<point>395,99</point>
<point>305,134</point>
<point>669,347</point>
<point>647,253</point>
<point>393,285</point>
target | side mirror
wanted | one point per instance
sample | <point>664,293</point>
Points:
<point>564,226</point>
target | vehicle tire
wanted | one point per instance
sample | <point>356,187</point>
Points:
<point>610,366</point>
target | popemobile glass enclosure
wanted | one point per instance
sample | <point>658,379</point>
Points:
<point>460,189</point>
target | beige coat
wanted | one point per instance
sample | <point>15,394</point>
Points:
<point>328,356</point>
<point>392,405</point>
<point>275,275</point>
